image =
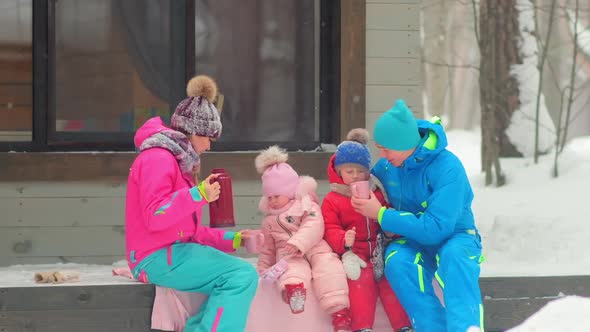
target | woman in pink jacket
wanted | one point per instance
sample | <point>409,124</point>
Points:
<point>166,243</point>
<point>293,230</point>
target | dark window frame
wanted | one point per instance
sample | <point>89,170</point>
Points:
<point>346,98</point>
<point>46,139</point>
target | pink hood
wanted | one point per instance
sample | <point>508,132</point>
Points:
<point>150,127</point>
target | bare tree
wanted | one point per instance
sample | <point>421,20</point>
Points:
<point>572,84</point>
<point>498,27</point>
<point>510,93</point>
<point>561,139</point>
<point>541,71</point>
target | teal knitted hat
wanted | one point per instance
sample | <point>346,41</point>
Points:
<point>397,129</point>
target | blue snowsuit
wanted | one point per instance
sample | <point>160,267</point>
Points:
<point>431,199</point>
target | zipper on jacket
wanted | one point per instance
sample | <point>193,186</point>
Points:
<point>369,235</point>
<point>401,181</point>
<point>401,188</point>
<point>195,220</point>
<point>283,226</point>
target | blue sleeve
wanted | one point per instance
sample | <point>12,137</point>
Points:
<point>444,206</point>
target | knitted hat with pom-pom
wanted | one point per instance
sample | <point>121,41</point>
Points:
<point>354,149</point>
<point>278,177</point>
<point>196,114</point>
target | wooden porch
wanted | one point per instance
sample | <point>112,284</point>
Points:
<point>127,307</point>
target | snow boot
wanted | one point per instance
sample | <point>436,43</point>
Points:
<point>341,320</point>
<point>294,295</point>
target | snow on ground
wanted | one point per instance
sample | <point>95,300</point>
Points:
<point>22,275</point>
<point>569,314</point>
<point>536,224</point>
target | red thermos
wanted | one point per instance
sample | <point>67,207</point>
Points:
<point>221,212</point>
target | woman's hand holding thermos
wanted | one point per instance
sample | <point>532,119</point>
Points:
<point>212,190</point>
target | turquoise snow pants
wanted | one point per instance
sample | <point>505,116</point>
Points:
<point>229,282</point>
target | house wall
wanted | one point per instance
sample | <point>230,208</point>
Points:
<point>83,221</point>
<point>392,57</point>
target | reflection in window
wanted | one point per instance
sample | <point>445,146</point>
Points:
<point>263,55</point>
<point>112,64</point>
<point>16,70</point>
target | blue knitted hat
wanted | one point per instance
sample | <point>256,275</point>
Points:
<point>354,150</point>
<point>397,129</point>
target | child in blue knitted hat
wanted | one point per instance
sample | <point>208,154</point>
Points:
<point>355,237</point>
<point>430,199</point>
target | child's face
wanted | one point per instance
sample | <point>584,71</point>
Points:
<point>277,201</point>
<point>352,174</point>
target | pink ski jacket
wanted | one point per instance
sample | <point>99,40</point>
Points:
<point>163,207</point>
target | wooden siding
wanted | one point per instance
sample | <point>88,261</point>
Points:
<point>83,222</point>
<point>392,58</point>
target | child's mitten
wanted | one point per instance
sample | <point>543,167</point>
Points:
<point>352,265</point>
<point>274,272</point>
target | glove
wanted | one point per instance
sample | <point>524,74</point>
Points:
<point>352,265</point>
<point>274,272</point>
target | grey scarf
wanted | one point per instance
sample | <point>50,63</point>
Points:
<point>179,145</point>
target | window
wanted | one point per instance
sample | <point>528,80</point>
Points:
<point>112,68</point>
<point>16,71</point>
<point>265,57</point>
<point>99,68</point>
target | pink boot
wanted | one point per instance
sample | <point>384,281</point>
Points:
<point>294,295</point>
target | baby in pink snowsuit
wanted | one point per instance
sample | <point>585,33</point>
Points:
<point>293,230</point>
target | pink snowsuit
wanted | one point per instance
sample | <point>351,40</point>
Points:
<point>300,223</point>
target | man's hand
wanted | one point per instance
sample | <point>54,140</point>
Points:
<point>212,190</point>
<point>349,237</point>
<point>367,207</point>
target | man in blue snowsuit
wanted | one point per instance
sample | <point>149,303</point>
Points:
<point>431,200</point>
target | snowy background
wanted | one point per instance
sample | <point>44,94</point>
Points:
<point>536,225</point>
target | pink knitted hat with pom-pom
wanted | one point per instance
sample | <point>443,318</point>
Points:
<point>278,177</point>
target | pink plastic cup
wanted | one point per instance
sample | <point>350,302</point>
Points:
<point>254,243</point>
<point>361,189</point>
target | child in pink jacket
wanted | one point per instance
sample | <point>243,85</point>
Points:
<point>293,230</point>
<point>166,243</point>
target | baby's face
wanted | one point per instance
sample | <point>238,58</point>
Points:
<point>352,174</point>
<point>277,201</point>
